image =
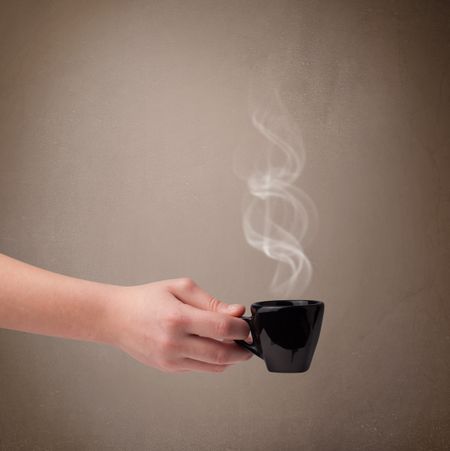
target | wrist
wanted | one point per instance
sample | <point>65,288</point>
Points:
<point>112,314</point>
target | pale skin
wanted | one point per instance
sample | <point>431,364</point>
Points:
<point>172,325</point>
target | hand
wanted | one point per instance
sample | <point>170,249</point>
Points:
<point>173,325</point>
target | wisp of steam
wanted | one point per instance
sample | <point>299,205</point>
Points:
<point>278,216</point>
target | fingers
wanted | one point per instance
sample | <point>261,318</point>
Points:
<point>215,352</point>
<point>195,365</point>
<point>188,292</point>
<point>214,325</point>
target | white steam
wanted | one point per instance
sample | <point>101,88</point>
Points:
<point>278,216</point>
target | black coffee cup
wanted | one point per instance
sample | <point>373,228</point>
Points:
<point>285,333</point>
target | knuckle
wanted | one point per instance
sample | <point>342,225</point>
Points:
<point>213,304</point>
<point>167,366</point>
<point>167,344</point>
<point>186,283</point>
<point>173,321</point>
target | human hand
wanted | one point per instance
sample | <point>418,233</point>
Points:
<point>175,326</point>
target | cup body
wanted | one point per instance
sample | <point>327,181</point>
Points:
<point>285,333</point>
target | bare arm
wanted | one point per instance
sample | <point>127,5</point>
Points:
<point>172,325</point>
<point>43,302</point>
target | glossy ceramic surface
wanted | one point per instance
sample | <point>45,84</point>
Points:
<point>285,333</point>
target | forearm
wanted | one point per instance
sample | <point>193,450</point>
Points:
<point>172,325</point>
<point>43,302</point>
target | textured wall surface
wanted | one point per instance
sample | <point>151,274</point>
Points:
<point>118,120</point>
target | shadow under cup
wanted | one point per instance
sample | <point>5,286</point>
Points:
<point>285,333</point>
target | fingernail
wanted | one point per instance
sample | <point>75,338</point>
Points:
<point>233,307</point>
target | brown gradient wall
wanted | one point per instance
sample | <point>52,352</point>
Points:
<point>118,120</point>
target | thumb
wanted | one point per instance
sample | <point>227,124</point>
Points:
<point>188,292</point>
<point>231,309</point>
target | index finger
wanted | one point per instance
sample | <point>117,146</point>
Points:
<point>214,324</point>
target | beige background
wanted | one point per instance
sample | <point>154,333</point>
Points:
<point>118,121</point>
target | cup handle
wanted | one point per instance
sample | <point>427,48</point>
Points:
<point>249,346</point>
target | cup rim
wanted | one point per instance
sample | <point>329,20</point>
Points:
<point>289,303</point>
